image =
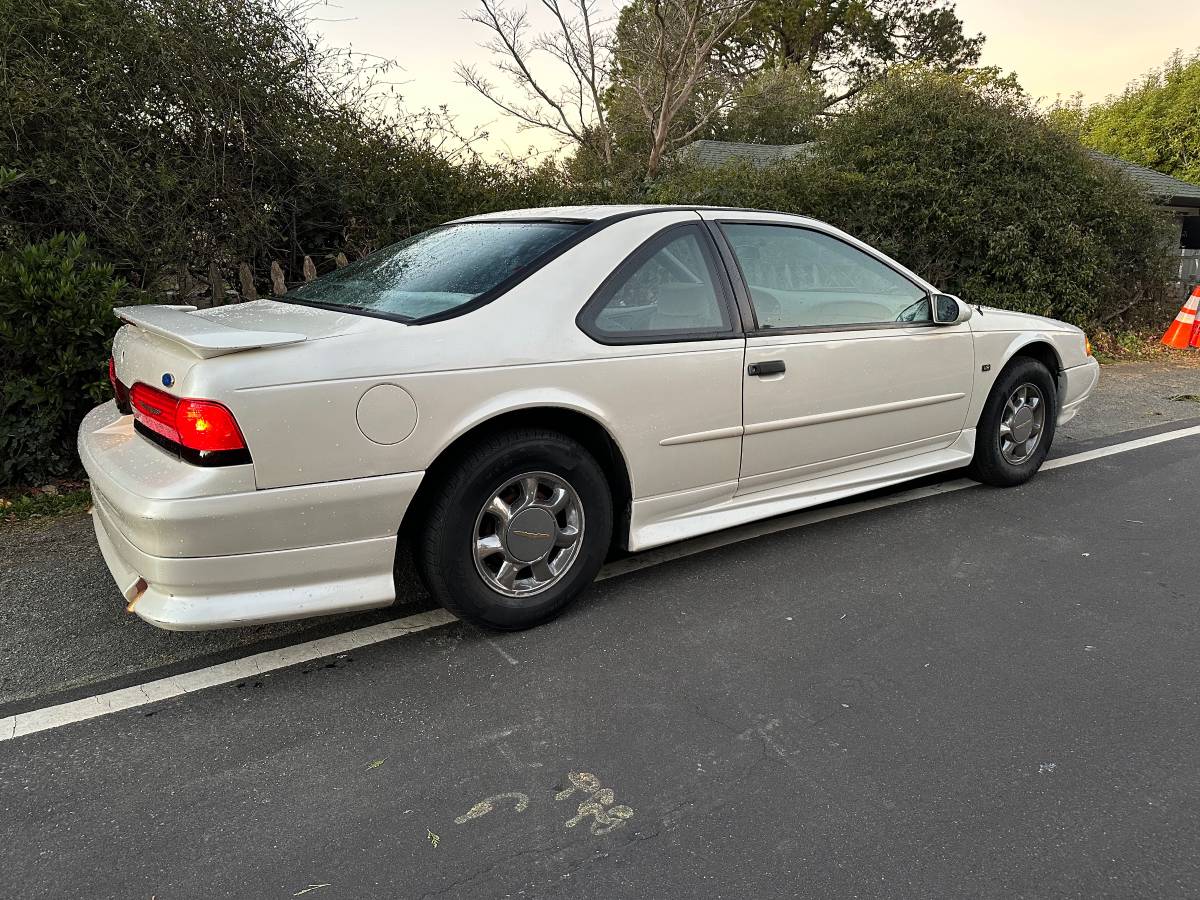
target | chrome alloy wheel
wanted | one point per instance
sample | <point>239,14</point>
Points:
<point>1022,423</point>
<point>528,534</point>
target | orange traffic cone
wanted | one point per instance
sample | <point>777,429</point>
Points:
<point>1181,332</point>
<point>1196,327</point>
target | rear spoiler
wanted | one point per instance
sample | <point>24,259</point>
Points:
<point>201,335</point>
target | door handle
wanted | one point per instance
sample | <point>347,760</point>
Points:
<point>770,367</point>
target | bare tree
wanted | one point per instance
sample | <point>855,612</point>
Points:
<point>569,104</point>
<point>673,68</point>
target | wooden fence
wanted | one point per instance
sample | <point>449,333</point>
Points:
<point>221,286</point>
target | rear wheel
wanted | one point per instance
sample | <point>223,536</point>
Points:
<point>518,531</point>
<point>1016,427</point>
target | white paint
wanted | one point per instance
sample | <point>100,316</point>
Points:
<point>137,695</point>
<point>508,657</point>
<point>223,673</point>
<point>1125,447</point>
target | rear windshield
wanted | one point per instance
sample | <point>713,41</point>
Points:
<point>436,271</point>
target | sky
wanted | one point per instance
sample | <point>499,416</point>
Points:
<point>1056,47</point>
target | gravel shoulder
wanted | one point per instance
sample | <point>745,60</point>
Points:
<point>1134,395</point>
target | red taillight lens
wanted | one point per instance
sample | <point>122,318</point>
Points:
<point>196,424</point>
<point>120,392</point>
<point>156,410</point>
<point>204,425</point>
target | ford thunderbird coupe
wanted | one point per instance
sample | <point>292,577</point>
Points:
<point>513,397</point>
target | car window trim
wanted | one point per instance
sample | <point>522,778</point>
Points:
<point>752,327</point>
<point>585,319</point>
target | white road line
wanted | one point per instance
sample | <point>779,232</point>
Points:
<point>1089,455</point>
<point>137,695</point>
<point>222,673</point>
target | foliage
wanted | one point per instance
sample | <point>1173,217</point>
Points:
<point>577,43</point>
<point>56,324</point>
<point>179,133</point>
<point>43,504</point>
<point>1155,122</point>
<point>667,86</point>
<point>779,69</point>
<point>774,106</point>
<point>847,46</point>
<point>960,178</point>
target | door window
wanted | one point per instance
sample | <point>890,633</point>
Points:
<point>667,289</point>
<point>799,278</point>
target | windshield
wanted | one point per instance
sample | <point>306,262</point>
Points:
<point>436,271</point>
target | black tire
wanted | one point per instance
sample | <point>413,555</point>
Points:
<point>991,465</point>
<point>445,548</point>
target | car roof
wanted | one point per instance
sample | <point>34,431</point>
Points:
<point>591,213</point>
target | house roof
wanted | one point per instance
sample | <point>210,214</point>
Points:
<point>717,153</point>
<point>1164,188</point>
<point>1169,190</point>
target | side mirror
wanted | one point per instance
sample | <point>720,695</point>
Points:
<point>949,310</point>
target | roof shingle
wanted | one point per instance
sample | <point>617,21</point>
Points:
<point>717,153</point>
<point>1168,189</point>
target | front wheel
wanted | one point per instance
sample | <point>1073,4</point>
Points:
<point>1016,427</point>
<point>518,531</point>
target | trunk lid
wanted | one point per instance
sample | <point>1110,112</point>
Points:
<point>245,326</point>
<point>160,345</point>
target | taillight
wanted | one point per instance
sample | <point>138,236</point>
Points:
<point>204,425</point>
<point>120,392</point>
<point>195,424</point>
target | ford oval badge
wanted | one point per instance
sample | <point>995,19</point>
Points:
<point>168,379</point>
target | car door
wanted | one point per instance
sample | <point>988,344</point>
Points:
<point>845,367</point>
<point>669,316</point>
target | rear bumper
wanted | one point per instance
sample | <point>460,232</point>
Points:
<point>1076,385</point>
<point>239,556</point>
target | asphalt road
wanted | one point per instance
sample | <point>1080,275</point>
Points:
<point>985,693</point>
<point>63,627</point>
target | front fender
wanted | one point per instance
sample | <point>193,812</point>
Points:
<point>995,349</point>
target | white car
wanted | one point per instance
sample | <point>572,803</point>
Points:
<point>520,394</point>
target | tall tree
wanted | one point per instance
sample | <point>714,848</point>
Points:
<point>783,65</point>
<point>666,80</point>
<point>664,59</point>
<point>846,45</point>
<point>1155,122</point>
<point>567,101</point>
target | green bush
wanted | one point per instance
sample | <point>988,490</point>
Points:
<point>961,179</point>
<point>56,325</point>
<point>179,134</point>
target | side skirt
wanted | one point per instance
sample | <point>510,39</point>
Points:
<point>663,520</point>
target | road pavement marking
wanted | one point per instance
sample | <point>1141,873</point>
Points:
<point>223,673</point>
<point>56,716</point>
<point>1089,455</point>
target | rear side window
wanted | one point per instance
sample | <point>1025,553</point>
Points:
<point>669,289</point>
<point>438,271</point>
